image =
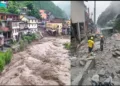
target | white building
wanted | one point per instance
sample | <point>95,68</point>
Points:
<point>32,23</point>
<point>15,29</point>
<point>23,28</point>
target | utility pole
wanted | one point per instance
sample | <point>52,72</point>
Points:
<point>94,12</point>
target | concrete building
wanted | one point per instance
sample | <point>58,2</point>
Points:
<point>15,30</point>
<point>78,10</point>
<point>8,16</point>
<point>32,23</point>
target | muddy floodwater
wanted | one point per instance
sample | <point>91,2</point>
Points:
<point>43,63</point>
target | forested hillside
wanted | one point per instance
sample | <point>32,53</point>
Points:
<point>14,6</point>
<point>109,13</point>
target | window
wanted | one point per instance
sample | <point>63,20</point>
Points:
<point>15,24</point>
<point>2,17</point>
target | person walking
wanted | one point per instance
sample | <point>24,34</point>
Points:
<point>90,45</point>
<point>101,42</point>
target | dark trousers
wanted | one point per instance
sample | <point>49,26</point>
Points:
<point>101,47</point>
<point>90,49</point>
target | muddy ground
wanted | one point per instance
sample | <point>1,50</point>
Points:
<point>42,63</point>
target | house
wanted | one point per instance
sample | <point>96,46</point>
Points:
<point>6,16</point>
<point>78,9</point>
<point>23,28</point>
<point>31,22</point>
<point>68,22</point>
<point>5,30</point>
<point>46,15</point>
<point>9,26</point>
<point>15,30</point>
<point>43,14</point>
<point>10,30</point>
<point>57,20</point>
<point>23,11</point>
<point>3,4</point>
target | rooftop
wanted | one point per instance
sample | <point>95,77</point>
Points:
<point>31,17</point>
<point>8,13</point>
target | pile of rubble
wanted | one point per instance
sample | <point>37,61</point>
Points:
<point>116,51</point>
<point>116,36</point>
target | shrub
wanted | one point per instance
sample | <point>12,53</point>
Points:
<point>8,56</point>
<point>2,64</point>
<point>2,61</point>
<point>25,42</point>
<point>21,45</point>
<point>5,58</point>
<point>67,46</point>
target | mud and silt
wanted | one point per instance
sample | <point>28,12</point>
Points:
<point>46,63</point>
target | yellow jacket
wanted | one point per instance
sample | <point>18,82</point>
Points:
<point>90,43</point>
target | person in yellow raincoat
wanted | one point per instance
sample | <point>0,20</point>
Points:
<point>90,45</point>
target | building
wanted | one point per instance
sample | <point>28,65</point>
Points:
<point>23,28</point>
<point>5,30</point>
<point>57,20</point>
<point>15,30</point>
<point>31,22</point>
<point>9,26</point>
<point>68,22</point>
<point>3,4</point>
<point>46,15</point>
<point>78,9</point>
<point>6,16</point>
<point>43,14</point>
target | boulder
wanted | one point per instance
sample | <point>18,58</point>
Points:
<point>102,72</point>
<point>108,80</point>
<point>73,61</point>
<point>82,63</point>
<point>95,78</point>
<point>118,53</point>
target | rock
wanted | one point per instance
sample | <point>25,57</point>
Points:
<point>114,54</point>
<point>73,58</point>
<point>117,69</point>
<point>116,83</point>
<point>102,72</point>
<point>90,58</point>
<point>95,78</point>
<point>82,63</point>
<point>108,80</point>
<point>73,64</point>
<point>117,52</point>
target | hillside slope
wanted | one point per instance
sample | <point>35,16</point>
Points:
<point>46,5</point>
<point>109,13</point>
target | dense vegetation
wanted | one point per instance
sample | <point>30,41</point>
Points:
<point>117,24</point>
<point>27,39</point>
<point>5,58</point>
<point>34,6</point>
<point>109,14</point>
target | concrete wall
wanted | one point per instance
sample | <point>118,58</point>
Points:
<point>77,11</point>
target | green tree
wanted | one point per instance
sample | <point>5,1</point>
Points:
<point>13,7</point>
<point>30,6</point>
<point>4,10</point>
